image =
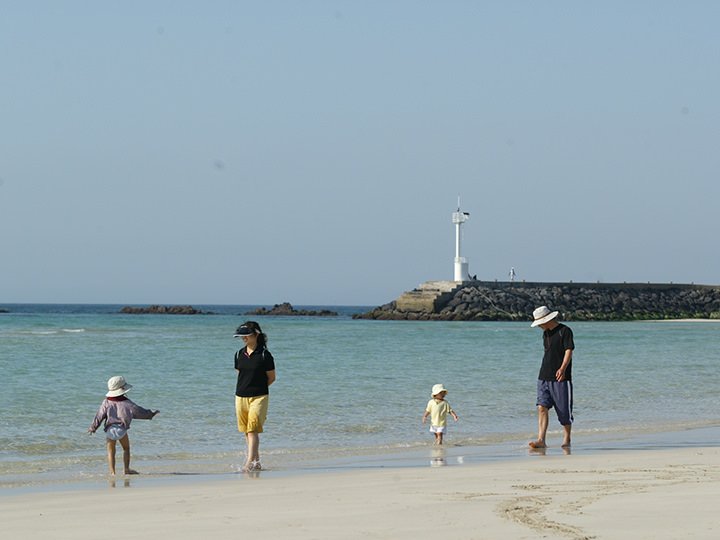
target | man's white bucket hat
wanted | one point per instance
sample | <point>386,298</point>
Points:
<point>543,315</point>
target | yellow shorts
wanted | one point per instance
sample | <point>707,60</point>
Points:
<point>251,413</point>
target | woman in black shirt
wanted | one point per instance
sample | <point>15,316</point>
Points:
<point>255,367</point>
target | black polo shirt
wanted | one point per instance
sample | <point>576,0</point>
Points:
<point>556,342</point>
<point>252,372</point>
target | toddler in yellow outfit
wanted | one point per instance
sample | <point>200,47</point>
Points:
<point>438,409</point>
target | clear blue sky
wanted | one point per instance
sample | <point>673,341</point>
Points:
<point>245,152</point>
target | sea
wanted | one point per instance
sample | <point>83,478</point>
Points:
<point>349,393</point>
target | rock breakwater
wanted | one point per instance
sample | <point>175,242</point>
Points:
<point>506,301</point>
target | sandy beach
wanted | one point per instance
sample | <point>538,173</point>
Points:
<point>635,494</point>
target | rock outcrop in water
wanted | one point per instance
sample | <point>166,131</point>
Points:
<point>163,310</point>
<point>286,309</point>
<point>506,301</point>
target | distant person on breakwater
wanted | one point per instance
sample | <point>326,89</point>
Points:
<point>255,368</point>
<point>118,412</point>
<point>554,386</point>
<point>438,409</point>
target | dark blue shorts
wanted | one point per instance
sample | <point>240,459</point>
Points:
<point>558,394</point>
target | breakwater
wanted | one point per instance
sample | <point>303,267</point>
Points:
<point>515,301</point>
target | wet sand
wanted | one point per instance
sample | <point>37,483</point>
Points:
<point>660,494</point>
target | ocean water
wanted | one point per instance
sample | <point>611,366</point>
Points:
<point>345,388</point>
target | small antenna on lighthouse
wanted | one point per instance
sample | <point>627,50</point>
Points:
<point>461,263</point>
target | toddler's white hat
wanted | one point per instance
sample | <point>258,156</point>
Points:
<point>436,389</point>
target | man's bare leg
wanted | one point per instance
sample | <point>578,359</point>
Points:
<point>542,428</point>
<point>566,440</point>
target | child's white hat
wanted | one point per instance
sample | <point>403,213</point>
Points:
<point>117,386</point>
<point>437,389</point>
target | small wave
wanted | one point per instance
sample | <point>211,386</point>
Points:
<point>355,428</point>
<point>49,332</point>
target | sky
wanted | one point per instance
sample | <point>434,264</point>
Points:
<point>313,152</point>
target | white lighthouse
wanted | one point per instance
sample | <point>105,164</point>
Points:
<point>461,263</point>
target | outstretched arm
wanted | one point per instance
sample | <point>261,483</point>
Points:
<point>99,417</point>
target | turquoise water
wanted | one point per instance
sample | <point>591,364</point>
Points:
<point>344,387</point>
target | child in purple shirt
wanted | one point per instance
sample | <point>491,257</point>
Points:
<point>118,411</point>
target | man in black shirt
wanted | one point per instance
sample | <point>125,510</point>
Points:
<point>554,388</point>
